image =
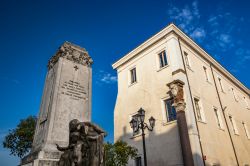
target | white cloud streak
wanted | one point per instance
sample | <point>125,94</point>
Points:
<point>216,31</point>
<point>105,77</point>
<point>198,33</point>
<point>108,78</point>
<point>187,19</point>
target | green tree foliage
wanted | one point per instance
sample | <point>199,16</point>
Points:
<point>19,140</point>
<point>118,153</point>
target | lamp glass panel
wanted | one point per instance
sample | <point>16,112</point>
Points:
<point>131,123</point>
<point>141,114</point>
<point>152,121</point>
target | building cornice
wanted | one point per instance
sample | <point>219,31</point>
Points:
<point>143,46</point>
<point>183,38</point>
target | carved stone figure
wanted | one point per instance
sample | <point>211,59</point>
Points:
<point>79,56</point>
<point>85,145</point>
<point>176,91</point>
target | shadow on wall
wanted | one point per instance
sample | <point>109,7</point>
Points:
<point>162,146</point>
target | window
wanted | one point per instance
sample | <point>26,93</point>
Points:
<point>235,97</point>
<point>246,130</point>
<point>233,125</point>
<point>186,59</point>
<point>246,102</point>
<point>198,109</point>
<point>163,59</point>
<point>138,161</point>
<point>221,87</point>
<point>205,71</point>
<point>170,109</point>
<point>133,75</point>
<point>218,120</point>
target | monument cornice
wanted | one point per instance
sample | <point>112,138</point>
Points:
<point>73,53</point>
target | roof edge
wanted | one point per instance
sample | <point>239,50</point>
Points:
<point>173,28</point>
<point>144,45</point>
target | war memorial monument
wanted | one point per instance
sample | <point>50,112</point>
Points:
<point>64,135</point>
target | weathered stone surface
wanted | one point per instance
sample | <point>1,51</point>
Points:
<point>73,53</point>
<point>85,145</point>
<point>67,95</point>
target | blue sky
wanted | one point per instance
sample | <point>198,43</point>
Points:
<point>31,32</point>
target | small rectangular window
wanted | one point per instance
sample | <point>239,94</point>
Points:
<point>163,59</point>
<point>186,59</point>
<point>221,86</point>
<point>198,109</point>
<point>205,72</point>
<point>246,130</point>
<point>217,117</point>
<point>138,161</point>
<point>233,125</point>
<point>170,110</point>
<point>235,96</point>
<point>247,105</point>
<point>133,75</point>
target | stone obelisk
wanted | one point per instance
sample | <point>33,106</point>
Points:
<point>66,96</point>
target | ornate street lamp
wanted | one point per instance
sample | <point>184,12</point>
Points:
<point>137,123</point>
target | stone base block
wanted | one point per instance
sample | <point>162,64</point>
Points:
<point>39,162</point>
<point>41,158</point>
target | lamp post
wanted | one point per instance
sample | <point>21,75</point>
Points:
<point>138,123</point>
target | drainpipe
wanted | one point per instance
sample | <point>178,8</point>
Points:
<point>223,111</point>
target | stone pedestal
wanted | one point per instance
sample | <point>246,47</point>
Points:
<point>67,95</point>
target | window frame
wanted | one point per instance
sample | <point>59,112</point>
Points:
<point>218,118</point>
<point>233,125</point>
<point>140,160</point>
<point>198,112</point>
<point>221,85</point>
<point>187,61</point>
<point>246,130</point>
<point>235,95</point>
<point>206,74</point>
<point>162,59</point>
<point>246,102</point>
<point>201,112</point>
<point>132,76</point>
<point>166,110</point>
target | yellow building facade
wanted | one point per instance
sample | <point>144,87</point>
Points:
<point>217,105</point>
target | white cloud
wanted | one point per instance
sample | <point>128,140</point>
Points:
<point>243,54</point>
<point>105,77</point>
<point>242,57</point>
<point>198,33</point>
<point>225,38</point>
<point>215,32</point>
<point>213,22</point>
<point>212,19</point>
<point>188,18</point>
<point>108,78</point>
<point>195,9</point>
<point>224,41</point>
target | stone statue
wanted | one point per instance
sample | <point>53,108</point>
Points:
<point>85,145</point>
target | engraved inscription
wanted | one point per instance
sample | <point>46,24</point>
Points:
<point>74,90</point>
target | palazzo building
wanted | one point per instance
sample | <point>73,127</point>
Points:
<point>202,111</point>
